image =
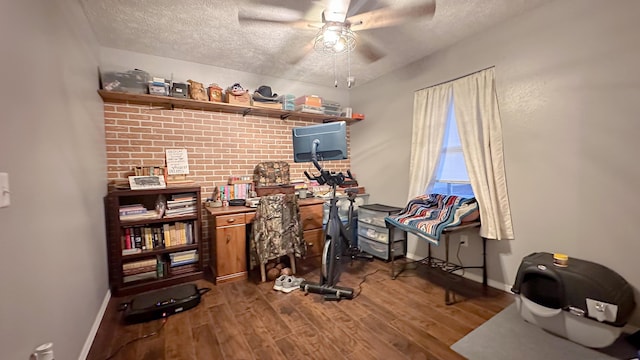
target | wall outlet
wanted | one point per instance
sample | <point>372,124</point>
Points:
<point>464,240</point>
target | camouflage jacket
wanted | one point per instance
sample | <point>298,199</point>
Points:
<point>277,230</point>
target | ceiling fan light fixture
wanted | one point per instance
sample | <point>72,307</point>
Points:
<point>335,38</point>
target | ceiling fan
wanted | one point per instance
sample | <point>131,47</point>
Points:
<point>340,20</point>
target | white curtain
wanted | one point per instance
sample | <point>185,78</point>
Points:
<point>480,130</point>
<point>430,108</point>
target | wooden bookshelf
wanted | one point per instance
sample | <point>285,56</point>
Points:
<point>116,230</point>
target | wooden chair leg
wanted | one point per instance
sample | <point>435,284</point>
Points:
<point>292,260</point>
<point>263,275</point>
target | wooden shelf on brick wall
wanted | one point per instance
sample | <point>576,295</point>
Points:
<point>172,102</point>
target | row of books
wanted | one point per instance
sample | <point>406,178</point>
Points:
<point>235,191</point>
<point>160,267</point>
<point>148,170</point>
<point>138,238</point>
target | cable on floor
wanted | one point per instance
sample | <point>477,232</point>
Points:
<point>164,321</point>
<point>362,282</point>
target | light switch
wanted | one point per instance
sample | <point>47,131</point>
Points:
<point>5,199</point>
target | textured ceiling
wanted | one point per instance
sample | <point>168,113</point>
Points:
<point>209,32</point>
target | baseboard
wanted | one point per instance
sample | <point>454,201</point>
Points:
<point>475,277</point>
<point>94,329</point>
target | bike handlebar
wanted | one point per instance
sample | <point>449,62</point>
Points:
<point>325,177</point>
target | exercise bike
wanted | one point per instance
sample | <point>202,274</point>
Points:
<point>338,242</point>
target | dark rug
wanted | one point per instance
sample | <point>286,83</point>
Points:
<point>507,336</point>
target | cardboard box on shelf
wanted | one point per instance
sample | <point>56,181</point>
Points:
<point>267,105</point>
<point>243,99</point>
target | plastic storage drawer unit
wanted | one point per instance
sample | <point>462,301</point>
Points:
<point>381,250</point>
<point>374,236</point>
<point>378,233</point>
<point>374,214</point>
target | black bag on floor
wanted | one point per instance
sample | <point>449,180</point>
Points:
<point>161,303</point>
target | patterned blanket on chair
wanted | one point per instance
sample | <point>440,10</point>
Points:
<point>428,215</point>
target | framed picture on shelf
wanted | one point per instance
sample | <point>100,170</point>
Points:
<point>146,182</point>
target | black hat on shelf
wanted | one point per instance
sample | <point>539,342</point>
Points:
<point>263,93</point>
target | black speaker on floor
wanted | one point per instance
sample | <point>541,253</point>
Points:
<point>161,303</point>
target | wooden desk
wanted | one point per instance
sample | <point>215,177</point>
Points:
<point>229,237</point>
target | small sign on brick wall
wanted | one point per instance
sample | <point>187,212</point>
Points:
<point>177,162</point>
<point>177,165</point>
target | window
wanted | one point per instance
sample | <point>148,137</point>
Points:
<point>451,175</point>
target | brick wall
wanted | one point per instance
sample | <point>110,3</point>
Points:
<point>218,144</point>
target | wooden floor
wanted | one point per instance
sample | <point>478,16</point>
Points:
<point>404,318</point>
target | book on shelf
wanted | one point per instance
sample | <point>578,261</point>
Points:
<point>128,244</point>
<point>138,264</point>
<point>142,276</point>
<point>191,209</point>
<point>183,269</point>
<point>180,203</point>
<point>183,262</point>
<point>185,252</point>
<point>185,257</point>
<point>189,233</point>
<point>148,214</point>
<point>132,209</point>
<point>131,251</point>
<point>184,196</point>
<point>161,269</point>
<point>137,237</point>
<point>148,170</point>
<point>157,241</point>
<point>139,270</point>
<point>166,230</point>
<point>124,213</point>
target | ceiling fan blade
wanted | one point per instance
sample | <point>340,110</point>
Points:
<point>336,10</point>
<point>386,17</point>
<point>296,24</point>
<point>300,54</point>
<point>369,51</point>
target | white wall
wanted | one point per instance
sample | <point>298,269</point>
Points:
<point>569,90</point>
<point>179,70</point>
<point>53,271</point>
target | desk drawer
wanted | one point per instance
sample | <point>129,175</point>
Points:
<point>311,217</point>
<point>378,233</point>
<point>228,220</point>
<point>249,217</point>
<point>315,242</point>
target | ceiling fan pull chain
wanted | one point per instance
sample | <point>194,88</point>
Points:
<point>349,78</point>
<point>335,70</point>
